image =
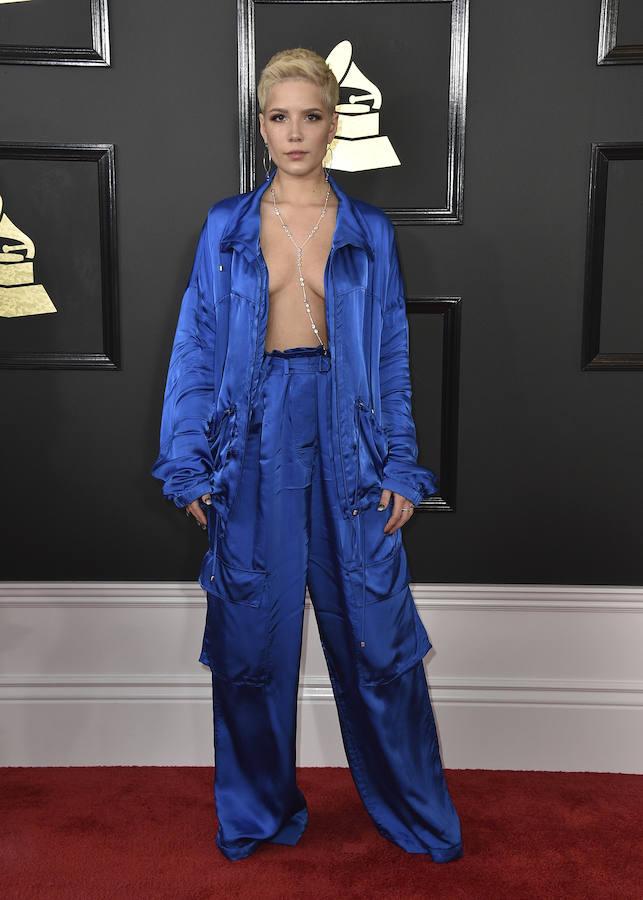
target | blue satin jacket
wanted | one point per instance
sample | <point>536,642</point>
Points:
<point>219,344</point>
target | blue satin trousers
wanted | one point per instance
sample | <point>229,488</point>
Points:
<point>285,532</point>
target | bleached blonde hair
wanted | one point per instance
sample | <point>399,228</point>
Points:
<point>299,62</point>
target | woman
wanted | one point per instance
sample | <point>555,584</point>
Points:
<point>287,413</point>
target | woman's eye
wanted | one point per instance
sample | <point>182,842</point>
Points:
<point>281,115</point>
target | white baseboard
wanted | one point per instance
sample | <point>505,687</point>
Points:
<point>544,677</point>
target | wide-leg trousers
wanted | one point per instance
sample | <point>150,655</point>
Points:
<point>284,533</point>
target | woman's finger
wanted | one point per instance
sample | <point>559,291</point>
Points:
<point>194,509</point>
<point>402,511</point>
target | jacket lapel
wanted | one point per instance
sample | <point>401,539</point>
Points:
<point>242,228</point>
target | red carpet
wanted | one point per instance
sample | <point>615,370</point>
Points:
<point>129,832</point>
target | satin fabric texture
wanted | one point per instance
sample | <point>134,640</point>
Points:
<point>284,532</point>
<point>218,348</point>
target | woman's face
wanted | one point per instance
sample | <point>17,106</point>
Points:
<point>295,119</point>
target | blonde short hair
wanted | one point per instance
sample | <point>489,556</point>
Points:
<point>299,62</point>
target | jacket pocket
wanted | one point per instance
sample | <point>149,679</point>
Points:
<point>371,441</point>
<point>237,628</point>
<point>219,436</point>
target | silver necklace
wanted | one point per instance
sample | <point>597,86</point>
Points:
<point>300,251</point>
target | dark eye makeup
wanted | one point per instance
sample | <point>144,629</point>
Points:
<point>274,117</point>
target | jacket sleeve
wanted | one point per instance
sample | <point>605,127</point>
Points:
<point>184,463</point>
<point>402,473</point>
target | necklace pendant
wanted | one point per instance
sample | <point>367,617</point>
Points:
<point>300,251</point>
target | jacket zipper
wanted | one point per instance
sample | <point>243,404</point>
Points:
<point>244,444</point>
<point>339,429</point>
<point>359,404</point>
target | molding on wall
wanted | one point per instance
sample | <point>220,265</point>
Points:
<point>312,689</point>
<point>430,597</point>
<point>170,594</point>
<point>522,676</point>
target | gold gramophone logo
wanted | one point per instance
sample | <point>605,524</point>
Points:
<point>19,295</point>
<point>358,144</point>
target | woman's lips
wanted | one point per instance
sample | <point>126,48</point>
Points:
<point>295,154</point>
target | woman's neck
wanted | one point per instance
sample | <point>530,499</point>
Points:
<point>299,190</point>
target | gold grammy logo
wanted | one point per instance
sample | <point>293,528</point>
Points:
<point>358,144</point>
<point>19,296</point>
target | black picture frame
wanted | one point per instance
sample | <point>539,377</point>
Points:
<point>450,311</point>
<point>610,52</point>
<point>591,357</point>
<point>97,54</point>
<point>104,157</point>
<point>452,211</point>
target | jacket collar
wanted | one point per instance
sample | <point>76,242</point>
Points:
<point>242,228</point>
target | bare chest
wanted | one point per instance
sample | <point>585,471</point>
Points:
<point>281,255</point>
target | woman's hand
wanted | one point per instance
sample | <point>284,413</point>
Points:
<point>403,509</point>
<point>195,510</point>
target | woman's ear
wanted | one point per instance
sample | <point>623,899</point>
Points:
<point>333,127</point>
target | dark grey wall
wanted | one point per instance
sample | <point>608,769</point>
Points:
<point>549,485</point>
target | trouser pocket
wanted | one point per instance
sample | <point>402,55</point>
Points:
<point>396,638</point>
<point>392,635</point>
<point>237,628</point>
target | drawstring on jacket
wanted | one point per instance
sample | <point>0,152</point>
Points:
<point>213,512</point>
<point>221,432</point>
<point>360,525</point>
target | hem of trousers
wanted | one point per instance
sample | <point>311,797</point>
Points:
<point>443,855</point>
<point>288,834</point>
<point>438,855</point>
<point>451,853</point>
